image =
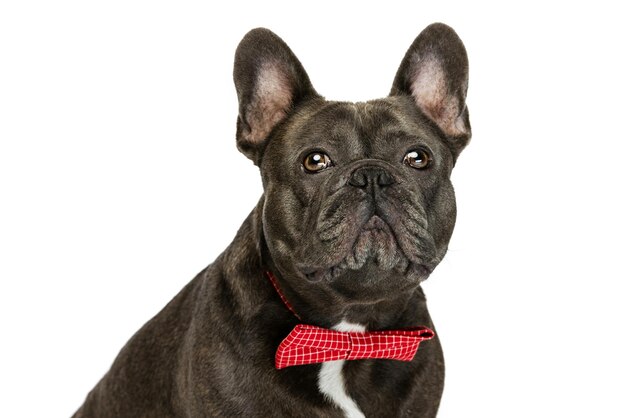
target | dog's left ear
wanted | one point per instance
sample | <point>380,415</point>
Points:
<point>434,72</point>
<point>270,83</point>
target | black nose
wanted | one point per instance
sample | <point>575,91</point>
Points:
<point>369,176</point>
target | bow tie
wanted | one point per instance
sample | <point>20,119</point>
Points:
<point>308,344</point>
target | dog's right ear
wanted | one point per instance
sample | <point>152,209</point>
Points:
<point>270,83</point>
<point>435,72</point>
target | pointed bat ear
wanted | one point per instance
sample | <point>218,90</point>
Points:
<point>270,83</point>
<point>434,72</point>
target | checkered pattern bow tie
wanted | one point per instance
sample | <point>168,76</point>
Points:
<point>308,344</point>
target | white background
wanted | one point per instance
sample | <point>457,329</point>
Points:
<point>120,180</point>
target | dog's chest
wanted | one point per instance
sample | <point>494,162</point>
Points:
<point>331,380</point>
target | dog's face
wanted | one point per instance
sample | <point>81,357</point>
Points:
<point>357,195</point>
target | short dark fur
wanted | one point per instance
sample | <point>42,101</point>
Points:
<point>352,242</point>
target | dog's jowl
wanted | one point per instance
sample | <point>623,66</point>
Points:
<point>316,309</point>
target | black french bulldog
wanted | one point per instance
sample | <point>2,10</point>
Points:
<point>357,211</point>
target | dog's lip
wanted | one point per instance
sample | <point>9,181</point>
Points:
<point>375,222</point>
<point>316,273</point>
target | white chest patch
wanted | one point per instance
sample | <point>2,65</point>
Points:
<point>331,382</point>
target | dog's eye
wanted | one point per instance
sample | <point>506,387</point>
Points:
<point>316,161</point>
<point>417,158</point>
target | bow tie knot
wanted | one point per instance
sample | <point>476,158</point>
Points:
<point>308,344</point>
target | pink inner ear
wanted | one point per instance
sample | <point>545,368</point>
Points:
<point>271,100</point>
<point>430,91</point>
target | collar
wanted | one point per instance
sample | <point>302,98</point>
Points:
<point>309,344</point>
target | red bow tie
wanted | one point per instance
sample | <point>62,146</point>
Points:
<point>308,344</point>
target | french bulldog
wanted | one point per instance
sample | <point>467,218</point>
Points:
<point>357,211</point>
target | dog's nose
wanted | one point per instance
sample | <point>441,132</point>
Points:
<point>370,176</point>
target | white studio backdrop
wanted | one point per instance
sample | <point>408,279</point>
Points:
<point>120,180</point>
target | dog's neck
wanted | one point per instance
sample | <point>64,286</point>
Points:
<point>319,305</point>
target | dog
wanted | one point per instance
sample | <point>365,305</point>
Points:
<point>357,211</point>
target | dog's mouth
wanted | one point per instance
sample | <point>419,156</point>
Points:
<point>375,245</point>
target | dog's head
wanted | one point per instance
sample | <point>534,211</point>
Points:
<point>357,195</point>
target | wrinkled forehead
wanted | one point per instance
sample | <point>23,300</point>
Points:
<point>358,124</point>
